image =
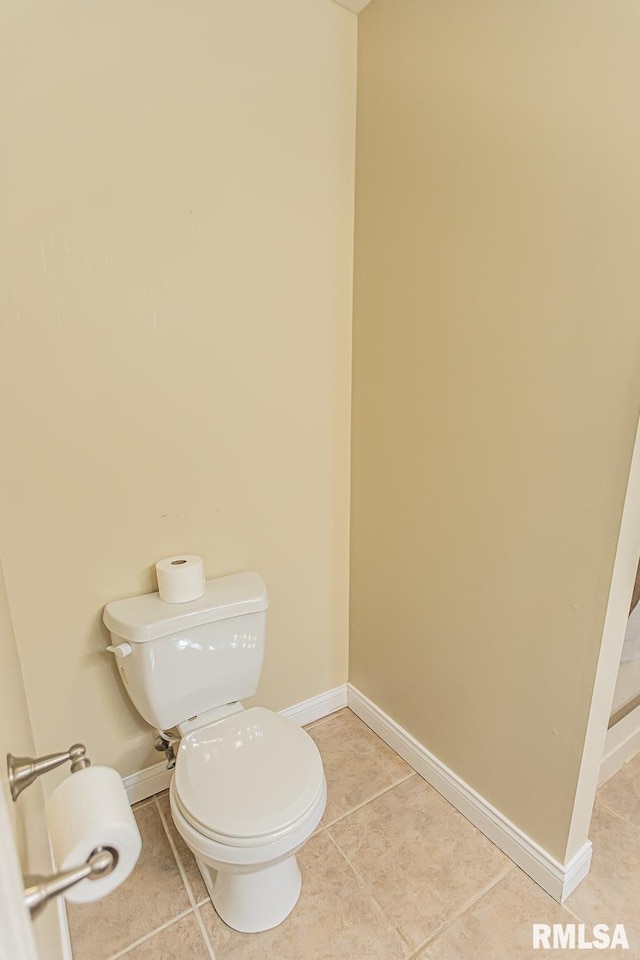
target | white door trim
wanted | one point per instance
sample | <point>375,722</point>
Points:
<point>17,941</point>
<point>623,577</point>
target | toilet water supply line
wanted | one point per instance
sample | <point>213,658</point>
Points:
<point>164,744</point>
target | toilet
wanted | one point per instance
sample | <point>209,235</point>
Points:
<point>249,787</point>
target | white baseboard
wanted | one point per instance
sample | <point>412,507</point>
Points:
<point>622,743</point>
<point>556,878</point>
<point>145,783</point>
<point>317,707</point>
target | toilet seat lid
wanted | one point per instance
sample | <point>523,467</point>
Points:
<point>248,776</point>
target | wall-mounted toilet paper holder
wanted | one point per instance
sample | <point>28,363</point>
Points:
<point>38,890</point>
<point>22,771</point>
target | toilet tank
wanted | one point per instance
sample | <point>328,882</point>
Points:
<point>179,659</point>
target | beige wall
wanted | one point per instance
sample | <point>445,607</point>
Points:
<point>175,364</point>
<point>496,377</point>
<point>27,813</point>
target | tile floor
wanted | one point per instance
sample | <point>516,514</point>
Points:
<point>393,872</point>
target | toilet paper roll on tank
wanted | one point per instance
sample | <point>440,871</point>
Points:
<point>87,811</point>
<point>180,579</point>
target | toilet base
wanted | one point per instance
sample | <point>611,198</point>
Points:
<point>256,900</point>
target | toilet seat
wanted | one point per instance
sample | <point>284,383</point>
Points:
<point>248,779</point>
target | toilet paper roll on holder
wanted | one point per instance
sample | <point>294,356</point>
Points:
<point>38,890</point>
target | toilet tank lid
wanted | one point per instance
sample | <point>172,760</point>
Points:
<point>149,618</point>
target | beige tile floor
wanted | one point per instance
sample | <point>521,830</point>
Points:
<point>393,872</point>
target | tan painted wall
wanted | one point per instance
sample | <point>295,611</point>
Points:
<point>175,364</point>
<point>496,377</point>
<point>27,813</point>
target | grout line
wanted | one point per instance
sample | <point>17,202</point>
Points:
<point>375,796</point>
<point>571,913</point>
<point>326,829</point>
<point>618,816</point>
<point>176,857</point>
<point>148,936</point>
<point>459,913</point>
<point>205,935</point>
<point>186,884</point>
<point>439,930</point>
<point>353,867</point>
<point>368,891</point>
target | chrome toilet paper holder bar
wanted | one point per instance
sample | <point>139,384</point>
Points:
<point>38,890</point>
<point>23,771</point>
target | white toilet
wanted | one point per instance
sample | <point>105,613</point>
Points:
<point>249,787</point>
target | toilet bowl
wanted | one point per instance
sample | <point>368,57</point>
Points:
<point>249,788</point>
<point>248,792</point>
